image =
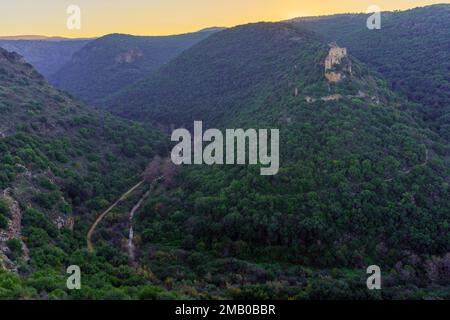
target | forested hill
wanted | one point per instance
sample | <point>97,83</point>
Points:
<point>111,62</point>
<point>362,179</point>
<point>217,78</point>
<point>60,163</point>
<point>46,55</point>
<point>412,50</point>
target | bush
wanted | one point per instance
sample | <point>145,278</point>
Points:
<point>15,247</point>
<point>4,208</point>
<point>3,222</point>
<point>4,214</point>
<point>149,293</point>
<point>115,294</point>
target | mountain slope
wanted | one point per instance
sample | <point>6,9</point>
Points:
<point>238,63</point>
<point>47,56</point>
<point>362,180</point>
<point>411,50</point>
<point>114,61</point>
<point>60,164</point>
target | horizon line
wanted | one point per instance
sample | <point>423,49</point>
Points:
<point>88,37</point>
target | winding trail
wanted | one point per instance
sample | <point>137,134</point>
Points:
<point>104,213</point>
<point>130,246</point>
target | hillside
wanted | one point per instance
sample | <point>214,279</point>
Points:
<point>60,164</point>
<point>411,50</point>
<point>109,63</point>
<point>362,179</point>
<point>46,55</point>
<point>220,73</point>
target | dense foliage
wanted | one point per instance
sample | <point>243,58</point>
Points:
<point>60,163</point>
<point>411,50</point>
<point>218,77</point>
<point>112,62</point>
<point>362,179</point>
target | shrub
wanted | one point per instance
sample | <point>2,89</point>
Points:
<point>15,247</point>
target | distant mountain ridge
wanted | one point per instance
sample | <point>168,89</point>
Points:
<point>212,29</point>
<point>42,38</point>
<point>47,56</point>
<point>109,63</point>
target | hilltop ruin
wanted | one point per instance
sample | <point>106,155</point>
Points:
<point>337,63</point>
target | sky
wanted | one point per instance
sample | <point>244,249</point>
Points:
<point>164,17</point>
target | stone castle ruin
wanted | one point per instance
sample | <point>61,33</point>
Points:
<point>337,63</point>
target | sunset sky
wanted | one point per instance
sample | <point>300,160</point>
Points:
<point>163,17</point>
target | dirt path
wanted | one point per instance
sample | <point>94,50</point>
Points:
<point>104,213</point>
<point>130,246</point>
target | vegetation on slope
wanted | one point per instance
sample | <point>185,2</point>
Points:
<point>47,56</point>
<point>411,50</point>
<point>60,164</point>
<point>355,187</point>
<point>362,181</point>
<point>109,63</point>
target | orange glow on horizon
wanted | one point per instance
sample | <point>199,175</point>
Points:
<point>144,17</point>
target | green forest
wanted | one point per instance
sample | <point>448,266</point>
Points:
<point>364,171</point>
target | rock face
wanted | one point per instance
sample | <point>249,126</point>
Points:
<point>12,57</point>
<point>333,76</point>
<point>62,222</point>
<point>337,64</point>
<point>335,56</point>
<point>129,56</point>
<point>14,227</point>
<point>14,231</point>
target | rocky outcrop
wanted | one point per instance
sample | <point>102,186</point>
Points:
<point>14,231</point>
<point>12,57</point>
<point>14,226</point>
<point>62,222</point>
<point>129,56</point>
<point>333,97</point>
<point>333,76</point>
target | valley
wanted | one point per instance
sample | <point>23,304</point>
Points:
<point>362,179</point>
<point>110,63</point>
<point>104,213</point>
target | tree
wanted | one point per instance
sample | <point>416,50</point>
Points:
<point>169,171</point>
<point>153,169</point>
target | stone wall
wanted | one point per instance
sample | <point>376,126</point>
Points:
<point>337,57</point>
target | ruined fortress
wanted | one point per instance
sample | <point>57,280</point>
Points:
<point>337,57</point>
